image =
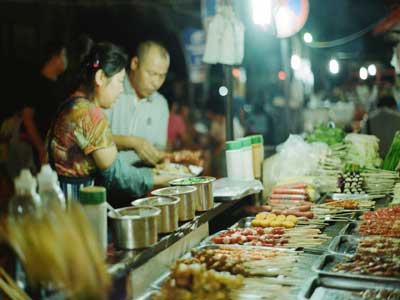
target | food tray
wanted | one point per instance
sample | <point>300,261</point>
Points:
<point>320,249</point>
<point>324,265</point>
<point>160,281</point>
<point>243,223</point>
<point>343,196</point>
<point>147,296</point>
<point>350,229</point>
<point>316,289</point>
<point>344,245</point>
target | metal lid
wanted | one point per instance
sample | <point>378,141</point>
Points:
<point>192,180</point>
<point>174,190</point>
<point>157,201</point>
<point>136,212</point>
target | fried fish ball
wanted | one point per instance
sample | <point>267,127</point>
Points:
<point>265,223</point>
<point>271,217</point>
<point>288,224</point>
<point>256,223</point>
<point>280,218</point>
<point>261,216</point>
<point>275,224</point>
<point>291,218</point>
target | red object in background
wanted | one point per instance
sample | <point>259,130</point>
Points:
<point>236,72</point>
<point>282,75</point>
<point>389,22</point>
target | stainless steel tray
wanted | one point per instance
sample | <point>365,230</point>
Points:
<point>316,289</point>
<point>156,285</point>
<point>350,229</point>
<point>325,263</point>
<point>243,223</point>
<point>208,241</point>
<point>344,245</point>
<point>147,296</point>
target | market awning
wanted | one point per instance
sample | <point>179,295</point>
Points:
<point>390,23</point>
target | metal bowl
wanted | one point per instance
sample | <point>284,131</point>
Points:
<point>205,198</point>
<point>168,220</point>
<point>136,227</point>
<point>188,196</point>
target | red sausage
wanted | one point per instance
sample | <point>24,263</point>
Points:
<point>304,208</point>
<point>288,197</point>
<point>300,185</point>
<point>296,213</point>
<point>289,191</point>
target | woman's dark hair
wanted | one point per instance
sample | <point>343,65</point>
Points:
<point>105,56</point>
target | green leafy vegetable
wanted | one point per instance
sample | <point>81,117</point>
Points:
<point>326,134</point>
<point>393,156</point>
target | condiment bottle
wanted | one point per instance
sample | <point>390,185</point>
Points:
<point>49,188</point>
<point>26,200</point>
<point>257,144</point>
<point>247,159</point>
<point>233,151</point>
<point>93,200</point>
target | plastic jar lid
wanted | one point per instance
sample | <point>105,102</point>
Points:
<point>92,195</point>
<point>256,139</point>
<point>233,145</point>
<point>246,141</point>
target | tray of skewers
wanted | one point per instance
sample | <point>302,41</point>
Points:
<point>235,272</point>
<point>315,289</point>
<point>384,222</point>
<point>359,268</point>
<point>304,237</point>
<point>369,245</point>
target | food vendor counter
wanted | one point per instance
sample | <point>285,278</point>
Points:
<point>134,271</point>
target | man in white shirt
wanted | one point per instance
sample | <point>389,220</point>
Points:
<point>139,118</point>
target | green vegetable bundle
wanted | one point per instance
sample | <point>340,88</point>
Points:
<point>326,134</point>
<point>392,158</point>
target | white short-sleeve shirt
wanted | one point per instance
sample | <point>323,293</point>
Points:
<point>146,118</point>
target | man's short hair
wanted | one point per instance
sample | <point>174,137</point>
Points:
<point>52,48</point>
<point>144,48</point>
<point>387,101</point>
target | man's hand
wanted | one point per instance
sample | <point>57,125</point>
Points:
<point>146,151</point>
<point>163,180</point>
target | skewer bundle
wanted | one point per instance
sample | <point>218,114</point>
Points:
<point>60,248</point>
<point>10,287</point>
<point>379,182</point>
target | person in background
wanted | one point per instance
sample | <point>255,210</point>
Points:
<point>80,141</point>
<point>178,137</point>
<point>217,136</point>
<point>383,122</point>
<point>44,98</point>
<point>35,105</point>
<point>139,119</point>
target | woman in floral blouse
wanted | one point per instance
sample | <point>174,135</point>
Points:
<point>80,140</point>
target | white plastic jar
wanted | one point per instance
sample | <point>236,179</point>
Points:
<point>233,153</point>
<point>247,159</point>
<point>93,200</point>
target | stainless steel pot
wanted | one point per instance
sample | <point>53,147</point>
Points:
<point>136,228</point>
<point>205,198</point>
<point>168,220</point>
<point>188,196</point>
